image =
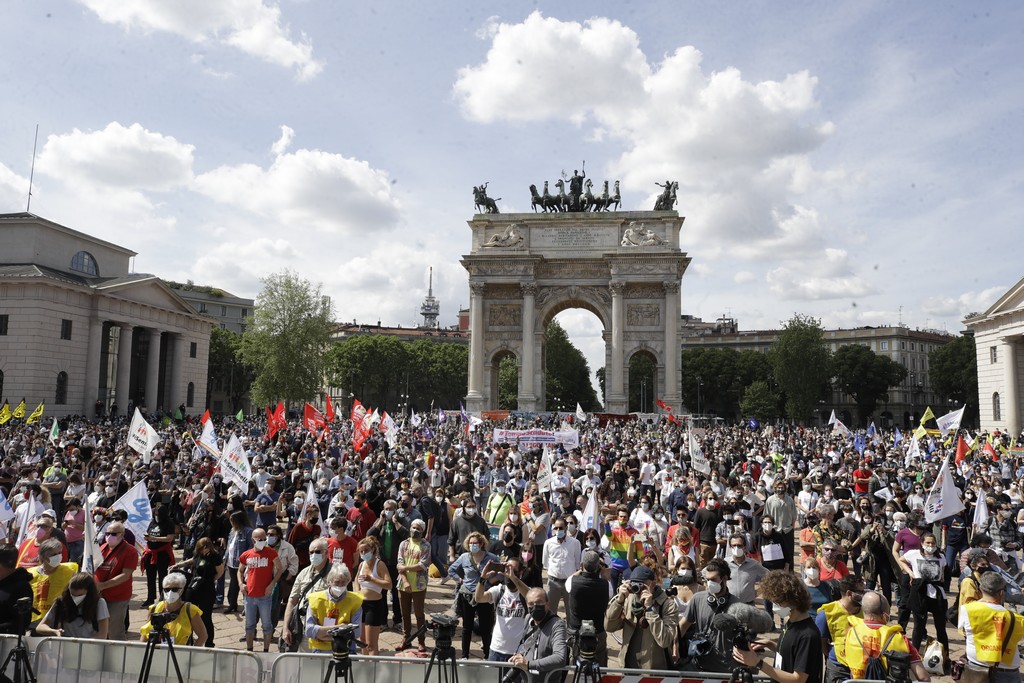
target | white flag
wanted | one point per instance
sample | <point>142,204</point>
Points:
<point>6,511</point>
<point>832,418</point>
<point>311,500</point>
<point>980,512</point>
<point>208,440</point>
<point>580,415</point>
<point>590,518</point>
<point>28,513</point>
<point>839,428</point>
<point>944,498</point>
<point>697,460</point>
<point>950,422</point>
<point>474,422</point>
<point>545,471</point>
<point>390,430</point>
<point>415,419</point>
<point>135,502</point>
<point>141,436</point>
<point>54,432</point>
<point>91,556</point>
<point>234,463</point>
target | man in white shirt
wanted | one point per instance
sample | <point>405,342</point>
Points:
<point>587,480</point>
<point>561,558</point>
<point>510,612</point>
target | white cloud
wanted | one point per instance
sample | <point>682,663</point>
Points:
<point>308,188</point>
<point>743,277</point>
<point>790,283</point>
<point>283,142</point>
<point>252,26</point>
<point>968,302</point>
<point>13,190</point>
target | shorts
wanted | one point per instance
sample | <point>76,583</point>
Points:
<point>375,612</point>
<point>258,608</point>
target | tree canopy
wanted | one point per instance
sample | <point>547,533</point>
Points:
<point>714,380</point>
<point>865,376</point>
<point>567,372</point>
<point>801,365</point>
<point>759,401</point>
<point>286,343</point>
<point>228,371</point>
<point>953,371</point>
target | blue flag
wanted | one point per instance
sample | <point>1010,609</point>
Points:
<point>753,423</point>
<point>860,443</point>
<point>897,437</point>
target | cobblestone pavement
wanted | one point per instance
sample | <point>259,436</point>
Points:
<point>230,628</point>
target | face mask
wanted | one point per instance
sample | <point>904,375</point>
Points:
<point>560,533</point>
<point>109,490</point>
<point>366,557</point>
<point>316,559</point>
<point>271,541</point>
<point>388,514</point>
<point>691,504</point>
<point>474,548</point>
<point>97,519</point>
<point>171,597</point>
<point>416,533</point>
<point>259,545</point>
<point>439,499</point>
<point>714,587</point>
<point>572,529</point>
<point>807,488</point>
<point>812,573</point>
<point>337,592</point>
<point>513,518</point>
<point>738,553</point>
<point>645,506</point>
<point>499,489</point>
<point>782,612</point>
<point>79,599</point>
<point>41,533</point>
<point>470,512</point>
<point>928,549</point>
<point>113,540</point>
<point>767,528</point>
<point>538,612</point>
<point>509,537</point>
<point>591,544</point>
<point>686,575</point>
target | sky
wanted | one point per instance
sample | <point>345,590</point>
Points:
<point>854,161</point>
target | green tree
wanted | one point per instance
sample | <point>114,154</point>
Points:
<point>567,372</point>
<point>865,376</point>
<point>801,365</point>
<point>641,383</point>
<point>760,401</point>
<point>286,344</point>
<point>953,372</point>
<point>710,381</point>
<point>508,383</point>
<point>227,370</point>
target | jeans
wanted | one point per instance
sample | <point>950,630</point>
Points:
<point>482,611</point>
<point>258,608</point>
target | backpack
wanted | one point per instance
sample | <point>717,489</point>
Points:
<point>875,670</point>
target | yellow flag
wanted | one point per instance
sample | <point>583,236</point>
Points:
<point>19,411</point>
<point>920,433</point>
<point>928,415</point>
<point>5,414</point>
<point>36,414</point>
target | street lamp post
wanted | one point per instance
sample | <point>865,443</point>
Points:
<point>643,395</point>
<point>699,385</point>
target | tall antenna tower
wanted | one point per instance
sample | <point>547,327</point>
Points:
<point>431,307</point>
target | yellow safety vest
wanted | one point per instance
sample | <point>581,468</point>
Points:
<point>322,607</point>
<point>989,627</point>
<point>863,641</point>
<point>838,620</point>
<point>181,628</point>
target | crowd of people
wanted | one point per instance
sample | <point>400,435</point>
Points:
<point>814,547</point>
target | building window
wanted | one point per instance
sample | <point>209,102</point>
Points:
<point>202,308</point>
<point>83,262</point>
<point>223,311</point>
<point>245,312</point>
<point>903,346</point>
<point>997,412</point>
<point>190,395</point>
<point>223,326</point>
<point>60,396</point>
<point>885,346</point>
<point>993,355</point>
<point>65,329</point>
<point>913,346</point>
<point>192,350</point>
<point>3,324</point>
<point>913,363</point>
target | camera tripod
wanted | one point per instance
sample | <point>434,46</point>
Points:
<point>22,665</point>
<point>587,671</point>
<point>155,636</point>
<point>340,666</point>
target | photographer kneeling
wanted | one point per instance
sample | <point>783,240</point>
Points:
<point>798,659</point>
<point>648,619</point>
<point>543,648</point>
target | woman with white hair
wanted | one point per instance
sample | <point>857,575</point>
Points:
<point>331,608</point>
<point>187,626</point>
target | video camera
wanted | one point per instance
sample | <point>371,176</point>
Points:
<point>443,628</point>
<point>899,666</point>
<point>160,620</point>
<point>343,637</point>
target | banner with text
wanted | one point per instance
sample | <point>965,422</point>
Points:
<point>569,438</point>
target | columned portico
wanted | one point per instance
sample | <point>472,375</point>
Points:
<point>124,366</point>
<point>91,391</point>
<point>153,372</point>
<point>672,394</point>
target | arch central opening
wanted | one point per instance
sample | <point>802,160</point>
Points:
<point>574,353</point>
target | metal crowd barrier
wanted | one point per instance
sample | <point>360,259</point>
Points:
<point>76,660</point>
<point>616,675</point>
<point>311,668</point>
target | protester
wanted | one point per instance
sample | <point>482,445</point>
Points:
<point>373,579</point>
<point>79,612</point>
<point>207,567</point>
<point>510,609</point>
<point>332,607</point>
<point>258,575</point>
<point>50,577</point>
<point>187,627</point>
<point>545,649</point>
<point>309,580</point>
<point>114,577</point>
<point>647,617</point>
<point>413,575</point>
<point>467,571</point>
<point>992,632</point>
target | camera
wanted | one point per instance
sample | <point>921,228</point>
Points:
<point>741,638</point>
<point>699,646</point>
<point>160,620</point>
<point>635,587</point>
<point>673,587</point>
<point>443,627</point>
<point>343,637</point>
<point>586,640</point>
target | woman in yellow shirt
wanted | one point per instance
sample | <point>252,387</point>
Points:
<point>188,621</point>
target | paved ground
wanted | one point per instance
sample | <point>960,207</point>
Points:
<point>230,628</point>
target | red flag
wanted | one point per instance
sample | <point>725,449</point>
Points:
<point>661,404</point>
<point>205,417</point>
<point>673,418</point>
<point>359,433</point>
<point>990,451</point>
<point>330,409</point>
<point>961,450</point>
<point>312,419</point>
<point>276,420</point>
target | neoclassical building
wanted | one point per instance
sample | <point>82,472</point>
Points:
<point>998,337</point>
<point>80,332</point>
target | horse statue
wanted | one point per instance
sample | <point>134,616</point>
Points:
<point>615,199</point>
<point>536,200</point>
<point>601,203</point>
<point>564,201</point>
<point>667,200</point>
<point>484,204</point>
<point>588,200</point>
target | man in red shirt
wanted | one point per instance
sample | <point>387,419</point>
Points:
<point>258,573</point>
<point>28,552</point>
<point>341,548</point>
<point>862,478</point>
<point>114,577</point>
<point>360,515</point>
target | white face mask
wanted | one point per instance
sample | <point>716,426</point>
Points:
<point>738,553</point>
<point>767,528</point>
<point>259,545</point>
<point>812,573</point>
<point>172,597</point>
<point>53,560</point>
<point>714,587</point>
<point>591,544</point>
<point>782,612</point>
<point>337,592</point>
<point>79,599</point>
<point>316,559</point>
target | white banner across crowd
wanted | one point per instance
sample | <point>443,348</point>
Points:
<point>569,438</point>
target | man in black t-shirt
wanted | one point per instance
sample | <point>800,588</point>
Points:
<point>588,601</point>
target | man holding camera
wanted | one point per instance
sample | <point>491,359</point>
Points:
<point>588,601</point>
<point>647,617</point>
<point>15,587</point>
<point>510,612</point>
<point>543,648</point>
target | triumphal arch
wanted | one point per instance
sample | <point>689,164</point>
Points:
<point>525,268</point>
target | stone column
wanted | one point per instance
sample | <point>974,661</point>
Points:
<point>153,371</point>
<point>175,394</point>
<point>475,399</point>
<point>672,350</point>
<point>527,385</point>
<point>92,367</point>
<point>124,367</point>
<point>616,395</point>
<point>1011,407</point>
